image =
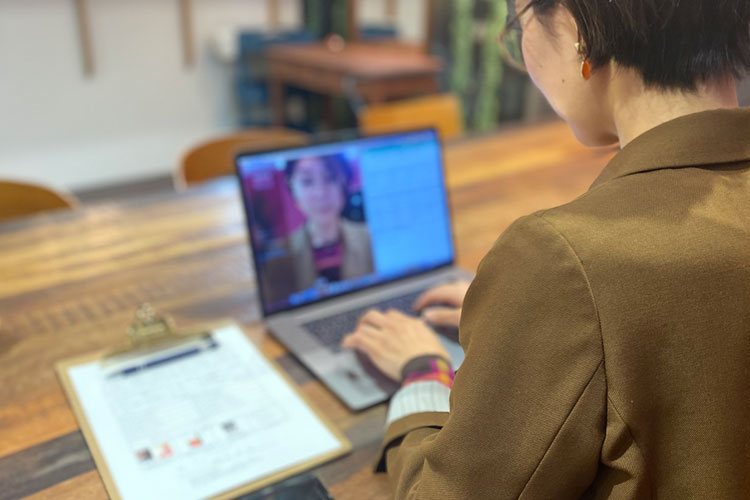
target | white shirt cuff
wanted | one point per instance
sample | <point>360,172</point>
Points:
<point>419,397</point>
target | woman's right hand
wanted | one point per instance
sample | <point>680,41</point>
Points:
<point>441,305</point>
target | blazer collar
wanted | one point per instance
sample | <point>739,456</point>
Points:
<point>707,138</point>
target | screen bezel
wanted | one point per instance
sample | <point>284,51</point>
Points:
<point>329,141</point>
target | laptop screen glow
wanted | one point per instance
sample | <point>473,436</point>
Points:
<point>330,219</point>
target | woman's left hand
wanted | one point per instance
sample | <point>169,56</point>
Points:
<point>392,339</point>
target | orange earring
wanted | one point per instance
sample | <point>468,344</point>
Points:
<point>585,69</point>
<point>585,65</point>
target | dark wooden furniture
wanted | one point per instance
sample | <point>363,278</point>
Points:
<point>366,73</point>
<point>71,281</point>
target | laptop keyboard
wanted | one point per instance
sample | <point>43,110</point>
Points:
<point>331,330</point>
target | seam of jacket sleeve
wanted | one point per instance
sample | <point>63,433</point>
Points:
<point>602,364</point>
<point>567,417</point>
<point>630,433</point>
<point>540,216</point>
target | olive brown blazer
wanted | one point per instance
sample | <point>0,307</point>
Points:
<point>357,254</point>
<point>607,340</point>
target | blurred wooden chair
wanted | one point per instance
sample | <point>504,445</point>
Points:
<point>215,158</point>
<point>440,111</point>
<point>19,198</point>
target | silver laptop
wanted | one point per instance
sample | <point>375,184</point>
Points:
<point>339,228</point>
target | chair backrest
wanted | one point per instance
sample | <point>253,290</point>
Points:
<point>215,158</point>
<point>440,111</point>
<point>18,199</point>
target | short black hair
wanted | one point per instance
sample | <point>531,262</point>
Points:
<point>674,44</point>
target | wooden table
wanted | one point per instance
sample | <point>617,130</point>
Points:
<point>69,283</point>
<point>368,72</point>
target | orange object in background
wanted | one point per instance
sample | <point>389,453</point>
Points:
<point>215,158</point>
<point>440,111</point>
<point>18,199</point>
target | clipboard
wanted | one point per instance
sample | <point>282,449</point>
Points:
<point>150,335</point>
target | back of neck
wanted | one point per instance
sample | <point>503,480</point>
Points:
<point>637,108</point>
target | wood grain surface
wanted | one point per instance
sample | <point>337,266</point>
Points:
<point>362,60</point>
<point>70,282</point>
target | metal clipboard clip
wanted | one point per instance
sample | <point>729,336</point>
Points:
<point>151,332</point>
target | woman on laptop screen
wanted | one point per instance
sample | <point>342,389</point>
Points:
<point>308,229</point>
<point>328,247</point>
<point>607,340</point>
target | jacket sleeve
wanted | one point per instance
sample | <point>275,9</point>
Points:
<point>527,408</point>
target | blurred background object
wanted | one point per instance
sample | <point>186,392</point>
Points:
<point>18,199</point>
<point>744,92</point>
<point>440,111</point>
<point>91,107</point>
<point>215,157</point>
<point>354,74</point>
<point>251,84</point>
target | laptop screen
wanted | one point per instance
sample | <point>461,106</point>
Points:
<point>329,219</point>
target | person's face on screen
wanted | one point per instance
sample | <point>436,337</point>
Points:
<point>318,190</point>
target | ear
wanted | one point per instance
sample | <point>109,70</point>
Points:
<point>565,29</point>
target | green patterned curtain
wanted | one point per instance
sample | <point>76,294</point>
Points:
<point>326,16</point>
<point>487,106</point>
<point>477,83</point>
<point>462,49</point>
<point>323,17</point>
<point>340,17</point>
<point>314,13</point>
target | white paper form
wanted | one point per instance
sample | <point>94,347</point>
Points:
<point>197,420</point>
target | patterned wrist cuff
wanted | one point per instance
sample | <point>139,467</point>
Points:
<point>428,368</point>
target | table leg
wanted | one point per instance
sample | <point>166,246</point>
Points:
<point>353,28</point>
<point>329,111</point>
<point>276,101</point>
<point>374,93</point>
<point>434,85</point>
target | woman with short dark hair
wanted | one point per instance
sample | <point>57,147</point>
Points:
<point>328,247</point>
<point>607,340</point>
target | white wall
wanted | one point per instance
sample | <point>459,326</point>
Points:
<point>142,106</point>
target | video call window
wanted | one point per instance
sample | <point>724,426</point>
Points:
<point>326,220</point>
<point>309,224</point>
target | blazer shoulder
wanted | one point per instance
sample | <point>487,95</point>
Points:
<point>355,230</point>
<point>535,244</point>
<point>356,237</point>
<point>298,241</point>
